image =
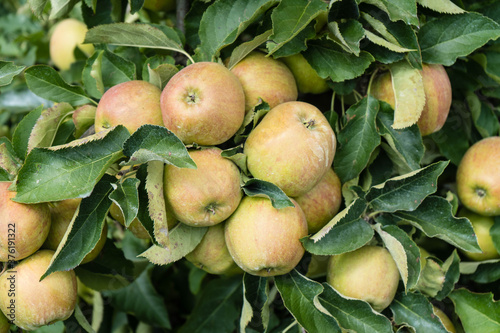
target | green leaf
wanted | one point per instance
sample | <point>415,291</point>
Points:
<point>160,75</point>
<point>385,43</point>
<point>481,271</point>
<point>59,8</point>
<point>69,171</point>
<point>83,118</point>
<point>37,7</point>
<point>255,311</point>
<point>82,320</point>
<point>347,231</point>
<point>415,310</point>
<point>432,277</point>
<point>434,218</point>
<point>8,70</point>
<point>483,115</point>
<point>156,200</point>
<point>126,196</point>
<point>8,159</point>
<point>353,314</point>
<point>404,10</point>
<point>406,192</point>
<point>112,261</point>
<point>441,6</point>
<point>99,281</point>
<point>347,34</point>
<point>156,143</point>
<point>224,21</point>
<point>22,133</point>
<point>143,213</point>
<point>244,49</point>
<point>298,43</point>
<point>357,140</point>
<point>448,37</point>
<point>46,82</point>
<point>217,309</point>
<point>452,274</point>
<point>257,187</point>
<point>477,312</point>
<point>300,296</point>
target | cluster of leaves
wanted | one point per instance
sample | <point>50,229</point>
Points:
<point>398,186</point>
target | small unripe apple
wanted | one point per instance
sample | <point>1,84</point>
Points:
<point>23,227</point>
<point>34,303</point>
<point>308,80</point>
<point>444,319</point>
<point>481,225</point>
<point>159,5</point>
<point>478,177</point>
<point>263,240</point>
<point>67,35</point>
<point>368,273</point>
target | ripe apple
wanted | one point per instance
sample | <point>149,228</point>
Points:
<point>159,5</point>
<point>368,273</point>
<point>437,89</point>
<point>265,78</point>
<point>67,35</point>
<point>32,303</point>
<point>204,196</point>
<point>293,147</point>
<point>444,319</point>
<point>212,254</point>
<point>23,227</point>
<point>481,225</point>
<point>478,177</point>
<point>321,203</point>
<point>131,104</point>
<point>203,103</point>
<point>4,323</point>
<point>263,240</point>
<point>308,80</point>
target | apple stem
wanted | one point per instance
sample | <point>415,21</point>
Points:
<point>372,77</point>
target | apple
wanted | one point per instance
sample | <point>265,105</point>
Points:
<point>321,203</point>
<point>263,240</point>
<point>4,323</point>
<point>206,195</point>
<point>368,273</point>
<point>67,35</point>
<point>481,225</point>
<point>212,254</point>
<point>32,303</point>
<point>203,103</point>
<point>478,177</point>
<point>159,5</point>
<point>131,104</point>
<point>293,147</point>
<point>308,80</point>
<point>23,227</point>
<point>437,89</point>
<point>317,266</point>
<point>444,319</point>
<point>265,78</point>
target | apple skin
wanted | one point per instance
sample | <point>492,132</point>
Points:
<point>203,103</point>
<point>321,203</point>
<point>478,177</point>
<point>32,225</point>
<point>67,35</point>
<point>39,303</point>
<point>308,80</point>
<point>265,78</point>
<point>481,225</point>
<point>131,104</point>
<point>368,273</point>
<point>293,147</point>
<point>437,89</point>
<point>204,196</point>
<point>212,254</point>
<point>263,240</point>
<point>4,323</point>
<point>160,5</point>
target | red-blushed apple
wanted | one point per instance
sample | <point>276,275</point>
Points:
<point>263,240</point>
<point>293,147</point>
<point>23,227</point>
<point>131,104</point>
<point>66,36</point>
<point>265,78</point>
<point>437,89</point>
<point>447,323</point>
<point>159,5</point>
<point>481,225</point>
<point>368,273</point>
<point>308,80</point>
<point>206,195</point>
<point>212,254</point>
<point>478,177</point>
<point>203,103</point>
<point>37,303</point>
<point>321,203</point>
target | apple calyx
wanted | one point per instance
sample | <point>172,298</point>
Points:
<point>481,192</point>
<point>310,123</point>
<point>192,97</point>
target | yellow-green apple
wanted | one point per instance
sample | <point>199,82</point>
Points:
<point>437,90</point>
<point>318,266</point>
<point>4,323</point>
<point>33,303</point>
<point>131,104</point>
<point>206,195</point>
<point>293,147</point>
<point>447,323</point>
<point>23,227</point>
<point>159,5</point>
<point>368,273</point>
<point>265,78</point>
<point>478,177</point>
<point>263,240</point>
<point>321,203</point>
<point>67,35</point>
<point>308,80</point>
<point>203,103</point>
<point>212,254</point>
<point>481,225</point>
